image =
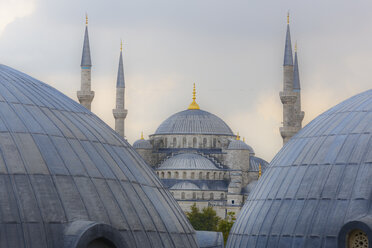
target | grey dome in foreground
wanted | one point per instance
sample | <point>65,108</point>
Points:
<point>187,161</point>
<point>67,178</point>
<point>318,187</point>
<point>142,144</point>
<point>194,121</point>
<point>240,145</point>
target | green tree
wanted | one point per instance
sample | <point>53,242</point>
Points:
<point>205,220</point>
<point>225,225</point>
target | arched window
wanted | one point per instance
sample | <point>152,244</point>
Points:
<point>211,196</point>
<point>200,175</point>
<point>183,195</point>
<point>176,174</point>
<point>357,238</point>
<point>203,195</point>
<point>220,176</point>
<point>184,142</point>
<point>174,142</point>
<point>192,175</point>
<point>193,195</point>
<point>165,142</point>
<point>207,176</point>
<point>162,175</point>
<point>214,175</point>
<point>214,142</point>
<point>168,174</point>
<point>222,196</point>
<point>204,142</point>
<point>194,142</point>
<point>184,175</point>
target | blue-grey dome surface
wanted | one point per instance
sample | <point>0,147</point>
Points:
<point>194,121</point>
<point>142,144</point>
<point>255,162</point>
<point>187,161</point>
<point>240,145</point>
<point>220,185</point>
<point>208,239</point>
<point>185,185</point>
<point>320,180</point>
<point>66,177</point>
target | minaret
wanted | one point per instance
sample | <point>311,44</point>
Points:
<point>297,90</point>
<point>287,96</point>
<point>120,112</point>
<point>85,95</point>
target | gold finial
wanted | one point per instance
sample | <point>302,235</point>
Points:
<point>243,139</point>
<point>193,105</point>
<point>121,45</point>
<point>288,17</point>
<point>237,136</point>
<point>259,171</point>
<point>142,136</point>
<point>86,19</point>
<point>296,46</point>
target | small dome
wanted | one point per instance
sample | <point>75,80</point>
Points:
<point>194,121</point>
<point>318,185</point>
<point>185,185</point>
<point>240,145</point>
<point>67,179</point>
<point>187,161</point>
<point>255,162</point>
<point>142,144</point>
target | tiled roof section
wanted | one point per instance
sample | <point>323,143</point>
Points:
<point>142,144</point>
<point>120,82</point>
<point>296,75</point>
<point>288,58</point>
<point>85,58</point>
<point>59,163</point>
<point>202,184</point>
<point>187,161</point>
<point>194,121</point>
<point>240,145</point>
<point>208,239</point>
<point>254,163</point>
<point>320,180</point>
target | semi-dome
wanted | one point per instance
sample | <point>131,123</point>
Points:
<point>185,185</point>
<point>68,180</point>
<point>194,121</point>
<point>142,144</point>
<point>318,188</point>
<point>187,161</point>
<point>240,145</point>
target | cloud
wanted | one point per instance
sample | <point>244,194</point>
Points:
<point>10,10</point>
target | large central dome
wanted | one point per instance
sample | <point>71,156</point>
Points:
<point>194,121</point>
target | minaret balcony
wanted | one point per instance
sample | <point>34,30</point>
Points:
<point>85,95</point>
<point>288,131</point>
<point>119,113</point>
<point>288,97</point>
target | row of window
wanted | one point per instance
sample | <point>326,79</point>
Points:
<point>208,175</point>
<point>202,196</point>
<point>176,143</point>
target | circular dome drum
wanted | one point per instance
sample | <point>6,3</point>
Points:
<point>194,121</point>
<point>68,180</point>
<point>317,183</point>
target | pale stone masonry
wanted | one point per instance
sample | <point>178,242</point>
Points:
<point>291,94</point>
<point>120,113</point>
<point>85,94</point>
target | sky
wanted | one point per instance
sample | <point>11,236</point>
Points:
<point>232,50</point>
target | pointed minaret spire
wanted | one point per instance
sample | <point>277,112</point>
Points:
<point>120,113</point>
<point>86,95</point>
<point>296,75</point>
<point>288,58</point>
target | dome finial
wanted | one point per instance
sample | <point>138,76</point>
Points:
<point>142,136</point>
<point>193,105</point>
<point>86,19</point>
<point>296,46</point>
<point>244,139</point>
<point>121,45</point>
<point>259,171</point>
<point>237,136</point>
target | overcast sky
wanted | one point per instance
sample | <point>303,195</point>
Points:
<point>232,50</point>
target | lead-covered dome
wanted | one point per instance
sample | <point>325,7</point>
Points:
<point>142,144</point>
<point>318,188</point>
<point>194,121</point>
<point>67,179</point>
<point>187,161</point>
